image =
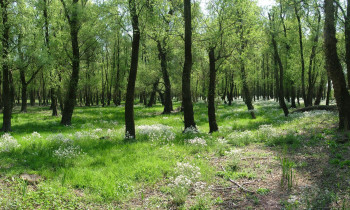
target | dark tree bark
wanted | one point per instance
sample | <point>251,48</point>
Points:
<point>293,105</point>
<point>74,24</point>
<point>320,91</point>
<point>168,104</point>
<point>6,97</point>
<point>153,94</point>
<point>246,92</point>
<point>329,89</point>
<point>280,66</point>
<point>231,93</point>
<point>213,127</point>
<point>301,53</point>
<point>334,67</point>
<point>116,64</point>
<point>186,75</point>
<point>311,83</point>
<point>347,41</point>
<point>129,102</point>
<point>47,41</point>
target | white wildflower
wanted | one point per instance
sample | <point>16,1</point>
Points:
<point>60,138</point>
<point>197,141</point>
<point>157,132</point>
<point>67,152</point>
<point>191,130</point>
<point>8,143</point>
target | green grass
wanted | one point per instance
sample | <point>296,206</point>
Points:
<point>103,168</point>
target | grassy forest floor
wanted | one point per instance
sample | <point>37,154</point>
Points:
<point>272,162</point>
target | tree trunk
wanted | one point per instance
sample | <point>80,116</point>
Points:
<point>7,111</point>
<point>153,94</point>
<point>186,75</point>
<point>213,127</point>
<point>319,92</point>
<point>280,66</point>
<point>168,104</point>
<point>293,105</point>
<point>129,102</point>
<point>116,60</point>
<point>347,41</point>
<point>310,91</point>
<point>69,102</point>
<point>301,54</point>
<point>334,67</point>
<point>329,89</point>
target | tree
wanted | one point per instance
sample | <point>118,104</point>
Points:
<point>186,74</point>
<point>334,68</point>
<point>278,63</point>
<point>74,24</point>
<point>301,50</point>
<point>129,102</point>
<point>7,76</point>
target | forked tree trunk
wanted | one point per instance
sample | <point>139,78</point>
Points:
<point>334,67</point>
<point>129,102</point>
<point>168,104</point>
<point>186,74</point>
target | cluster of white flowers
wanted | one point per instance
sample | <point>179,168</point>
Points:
<point>106,122</point>
<point>32,137</point>
<point>233,152</point>
<point>222,140</point>
<point>197,141</point>
<point>185,175</point>
<point>157,132</point>
<point>267,131</point>
<point>60,138</point>
<point>191,130</point>
<point>238,135</point>
<point>199,187</point>
<point>8,143</point>
<point>81,135</point>
<point>67,152</point>
<point>98,130</point>
<point>87,125</point>
<point>36,135</point>
<point>182,180</point>
<point>128,136</point>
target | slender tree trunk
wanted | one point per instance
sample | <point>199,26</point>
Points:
<point>301,54</point>
<point>129,102</point>
<point>6,97</point>
<point>186,75</point>
<point>280,66</point>
<point>310,91</point>
<point>168,104</point>
<point>47,41</point>
<point>293,105</point>
<point>213,127</point>
<point>116,62</point>
<point>319,92</point>
<point>69,102</point>
<point>334,68</point>
<point>24,92</point>
<point>153,94</point>
<point>329,89</point>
